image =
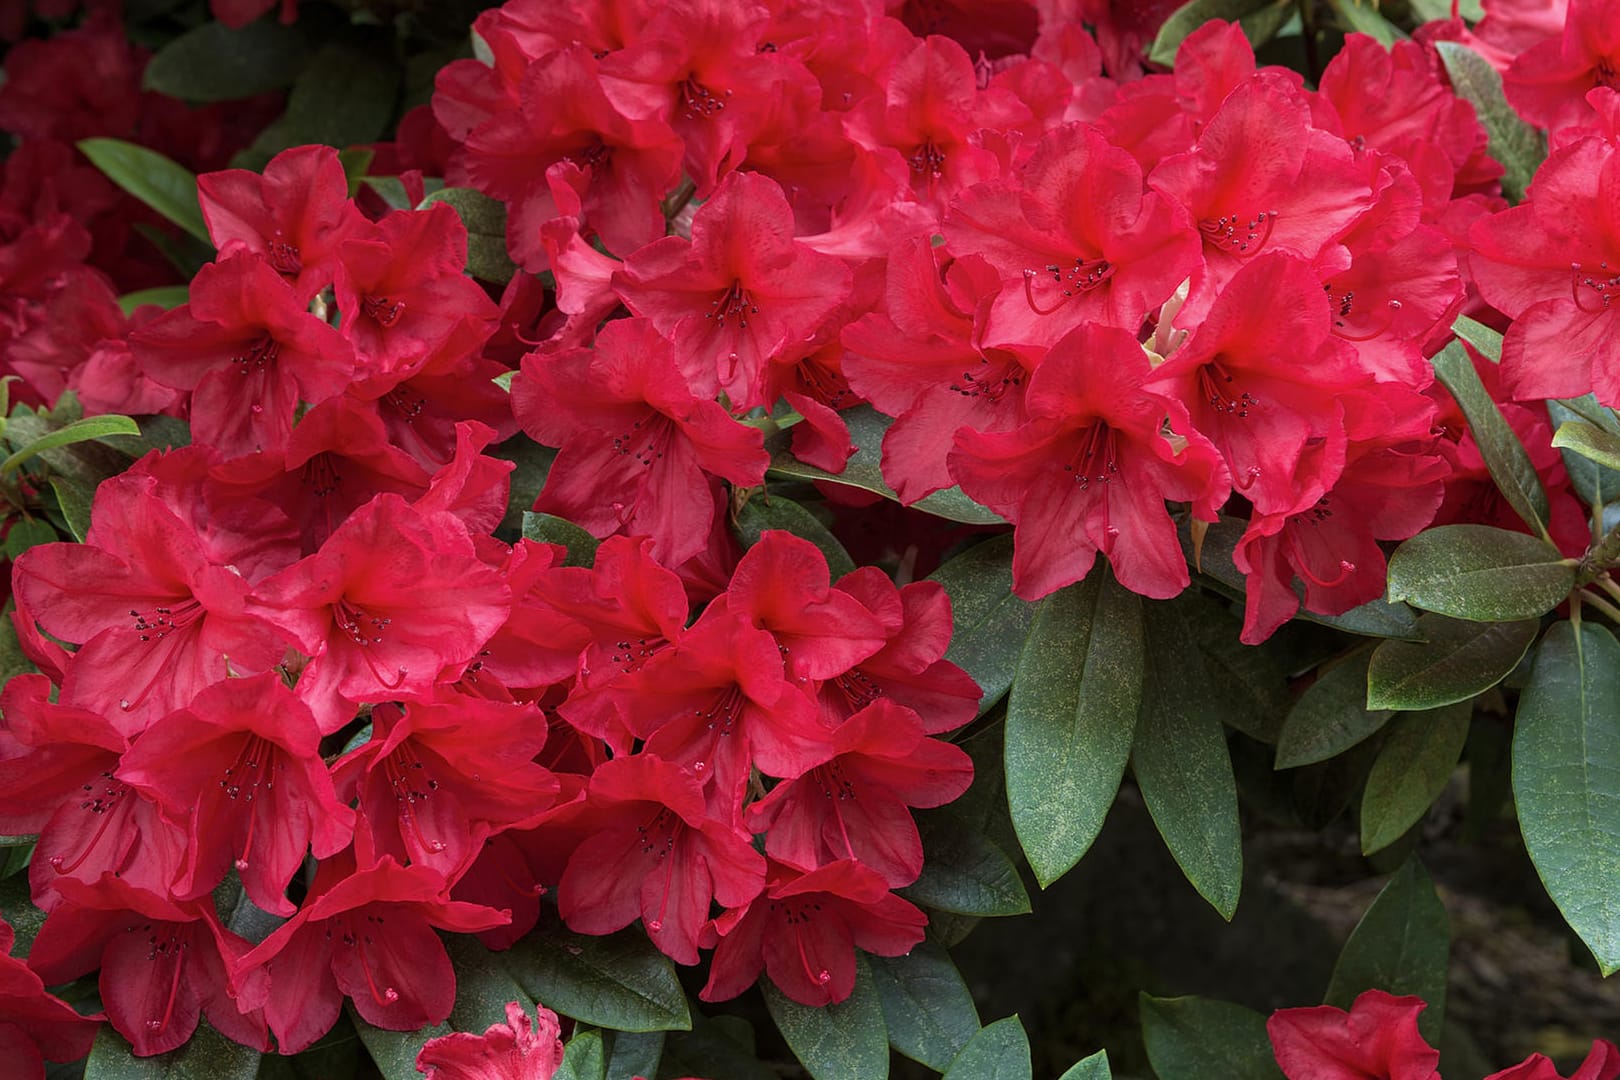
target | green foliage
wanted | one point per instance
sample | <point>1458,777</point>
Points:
<point>1190,1038</point>
<point>927,1008</point>
<point>1401,946</point>
<point>1418,756</point>
<point>1479,572</point>
<point>619,981</point>
<point>208,1055</point>
<point>550,529</point>
<point>1094,1067</point>
<point>1331,716</point>
<point>345,95</point>
<point>989,621</point>
<point>212,62</point>
<point>1505,456</point>
<point>1456,661</point>
<point>485,219</point>
<point>1518,146</point>
<point>764,511</point>
<point>166,187</point>
<point>998,1052</point>
<point>964,871</point>
<point>847,1039</point>
<point>1190,16</point>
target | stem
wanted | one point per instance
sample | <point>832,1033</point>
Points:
<point>1608,585</point>
<point>1601,604</point>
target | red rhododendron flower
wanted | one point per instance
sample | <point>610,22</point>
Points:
<point>1378,1037</point>
<point>1602,1063</point>
<point>519,1049</point>
<point>1548,82</point>
<point>36,1026</point>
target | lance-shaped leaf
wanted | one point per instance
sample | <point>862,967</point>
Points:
<point>1183,767</point>
<point>1487,342</point>
<point>833,1042</point>
<point>1589,441</point>
<point>989,623</point>
<point>1418,757</point>
<point>1505,456</point>
<point>998,1052</point>
<point>1597,483</point>
<point>1481,573</point>
<point>1191,1038</point>
<point>208,1055</point>
<point>1190,16</point>
<point>1362,16</point>
<point>1457,660</point>
<point>1401,946</point>
<point>551,529</point>
<point>929,1012</point>
<point>1070,719</point>
<point>165,186</point>
<point>1518,146</point>
<point>619,981</point>
<point>1330,717</point>
<point>91,427</point>
<point>1566,780</point>
<point>964,872</point>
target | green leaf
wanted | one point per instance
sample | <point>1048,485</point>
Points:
<point>1481,573</point>
<point>998,1052</point>
<point>1458,660</point>
<point>1191,1038</point>
<point>927,1008</point>
<point>12,660</point>
<point>1592,443</point>
<point>866,430</point>
<point>1487,342</point>
<point>1331,716</point>
<point>550,529</point>
<point>1518,146</point>
<point>1182,765</point>
<point>964,872</point>
<point>26,533</point>
<point>1070,718</point>
<point>1417,759</point>
<point>166,297</point>
<point>619,981</point>
<point>1362,16</point>
<point>1597,484</point>
<point>91,427</point>
<point>208,1055</point>
<point>394,1052</point>
<point>1505,456</point>
<point>765,511</point>
<point>989,622</point>
<point>1190,16</point>
<point>1566,780</point>
<point>165,186</point>
<point>717,1048</point>
<point>1094,1067</point>
<point>1247,686</point>
<point>585,1058</point>
<point>634,1053</point>
<point>485,219</point>
<point>1401,946</point>
<point>215,63</point>
<point>344,95</point>
<point>839,1041</point>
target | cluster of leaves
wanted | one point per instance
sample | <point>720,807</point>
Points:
<point>1196,336</point>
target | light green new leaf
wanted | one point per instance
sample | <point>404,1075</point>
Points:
<point>1362,16</point>
<point>1505,456</point>
<point>1070,719</point>
<point>1566,780</point>
<point>1597,484</point>
<point>1481,573</point>
<point>1401,945</point>
<point>926,1006</point>
<point>90,428</point>
<point>1458,660</point>
<point>998,1052</point>
<point>1518,146</point>
<point>1592,443</point>
<point>837,1041</point>
<point>167,187</point>
<point>1183,767</point>
<point>989,622</point>
<point>1191,1038</point>
<point>1417,759</point>
<point>165,296</point>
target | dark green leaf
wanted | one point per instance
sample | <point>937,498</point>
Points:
<point>208,1055</point>
<point>620,981</point>
<point>634,1053</point>
<point>345,95</point>
<point>12,660</point>
<point>1191,1038</point>
<point>1401,946</point>
<point>839,1041</point>
<point>15,854</point>
<point>550,529</point>
<point>1597,484</point>
<point>1094,1067</point>
<point>1417,759</point>
<point>1362,16</point>
<point>531,465</point>
<point>485,219</point>
<point>989,623</point>
<point>1070,718</point>
<point>998,1052</point>
<point>215,63</point>
<point>1505,456</point>
<point>866,430</point>
<point>394,1052</point>
<point>17,908</point>
<point>91,427</point>
<point>166,187</point>
<point>717,1048</point>
<point>1518,146</point>
<point>1486,342</point>
<point>1566,780</point>
<point>26,533</point>
<point>1248,688</point>
<point>584,1059</point>
<point>1458,660</point>
<point>765,511</point>
<point>1481,573</point>
<point>166,297</point>
<point>1331,716</point>
<point>964,872</point>
<point>926,1006</point>
<point>1182,765</point>
<point>1190,16</point>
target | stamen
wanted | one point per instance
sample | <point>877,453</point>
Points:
<point>1238,238</point>
<point>386,311</point>
<point>177,950</point>
<point>1604,285</point>
<point>1077,280</point>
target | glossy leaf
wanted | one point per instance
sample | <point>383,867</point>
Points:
<point>1505,456</point>
<point>1458,660</point>
<point>1419,754</point>
<point>1094,1067</point>
<point>634,1053</point>
<point>1566,780</point>
<point>927,1008</point>
<point>485,219</point>
<point>207,1055</point>
<point>1401,945</point>
<point>1192,1038</point>
<point>1518,146</point>
<point>867,427</point>
<point>989,622</point>
<point>998,1052</point>
<point>764,511</point>
<point>964,872</point>
<point>837,1041</point>
<point>1070,719</point>
<point>1189,17</point>
<point>1481,573</point>
<point>551,529</point>
<point>585,1058</point>
<point>165,186</point>
<point>619,981</point>
<point>1331,716</point>
<point>85,430</point>
<point>1182,766</point>
<point>212,62</point>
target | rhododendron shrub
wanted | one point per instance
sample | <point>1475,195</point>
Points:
<point>671,529</point>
